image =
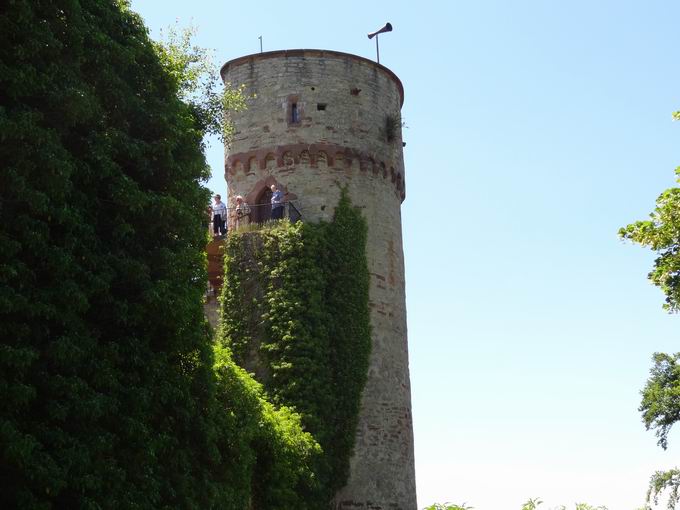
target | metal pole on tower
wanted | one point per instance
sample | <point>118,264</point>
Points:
<point>386,28</point>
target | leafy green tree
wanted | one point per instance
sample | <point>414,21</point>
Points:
<point>98,241</point>
<point>660,406</point>
<point>660,410</point>
<point>112,394</point>
<point>664,482</point>
<point>197,76</point>
<point>661,233</point>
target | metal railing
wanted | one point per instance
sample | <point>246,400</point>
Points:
<point>259,213</point>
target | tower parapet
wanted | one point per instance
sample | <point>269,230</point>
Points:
<point>321,121</point>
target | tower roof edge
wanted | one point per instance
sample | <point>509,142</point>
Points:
<point>310,53</point>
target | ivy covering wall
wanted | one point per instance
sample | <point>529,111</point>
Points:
<point>295,312</point>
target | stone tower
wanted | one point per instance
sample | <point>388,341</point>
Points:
<point>320,121</point>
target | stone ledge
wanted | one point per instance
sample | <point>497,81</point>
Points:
<point>312,154</point>
<point>313,53</point>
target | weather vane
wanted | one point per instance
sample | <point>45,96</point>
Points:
<point>386,28</point>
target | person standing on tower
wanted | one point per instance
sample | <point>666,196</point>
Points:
<point>219,216</point>
<point>241,211</point>
<point>277,203</point>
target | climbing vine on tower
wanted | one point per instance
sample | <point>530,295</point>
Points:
<point>295,312</point>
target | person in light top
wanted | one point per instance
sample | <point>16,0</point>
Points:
<point>277,203</point>
<point>241,211</point>
<point>219,211</point>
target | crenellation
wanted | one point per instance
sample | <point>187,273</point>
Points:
<point>312,154</point>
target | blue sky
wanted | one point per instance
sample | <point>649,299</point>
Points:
<point>535,130</point>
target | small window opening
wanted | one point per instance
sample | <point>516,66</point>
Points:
<point>294,115</point>
<point>321,106</point>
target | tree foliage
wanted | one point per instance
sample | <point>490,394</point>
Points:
<point>661,233</point>
<point>112,395</point>
<point>664,482</point>
<point>660,406</point>
<point>197,78</point>
<point>267,459</point>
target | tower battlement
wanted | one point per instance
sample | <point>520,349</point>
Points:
<point>320,156</point>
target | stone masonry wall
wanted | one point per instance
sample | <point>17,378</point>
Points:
<point>341,144</point>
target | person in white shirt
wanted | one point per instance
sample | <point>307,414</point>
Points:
<point>277,203</point>
<point>242,212</point>
<point>219,217</point>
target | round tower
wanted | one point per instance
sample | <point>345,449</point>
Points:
<point>320,121</point>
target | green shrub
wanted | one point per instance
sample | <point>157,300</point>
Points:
<point>99,240</point>
<point>112,396</point>
<point>267,456</point>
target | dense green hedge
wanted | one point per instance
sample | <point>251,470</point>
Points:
<point>295,311</point>
<point>112,396</point>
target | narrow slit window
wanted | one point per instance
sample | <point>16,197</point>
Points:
<point>294,114</point>
<point>321,106</point>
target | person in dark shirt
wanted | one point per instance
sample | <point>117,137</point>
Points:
<point>277,203</point>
